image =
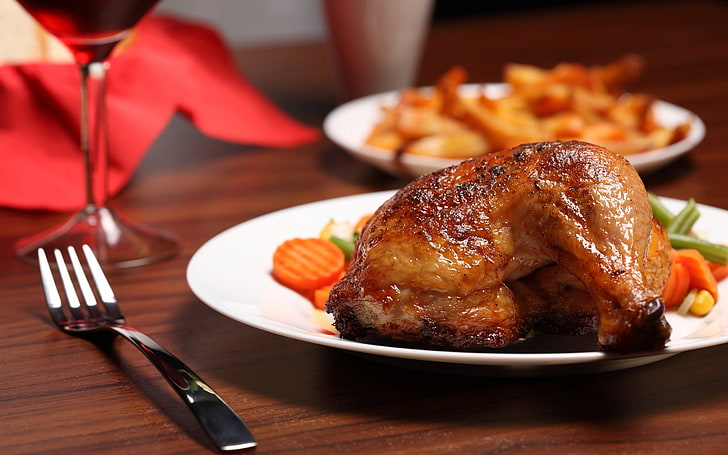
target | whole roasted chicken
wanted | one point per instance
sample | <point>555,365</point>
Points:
<point>552,236</point>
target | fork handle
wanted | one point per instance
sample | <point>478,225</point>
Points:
<point>218,420</point>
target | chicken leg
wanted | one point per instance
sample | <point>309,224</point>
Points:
<point>552,235</point>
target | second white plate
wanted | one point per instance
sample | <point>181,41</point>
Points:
<point>349,125</point>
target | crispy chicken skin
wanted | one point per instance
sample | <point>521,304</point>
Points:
<point>557,236</point>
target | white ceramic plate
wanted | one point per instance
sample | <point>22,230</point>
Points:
<point>349,125</point>
<point>231,274</point>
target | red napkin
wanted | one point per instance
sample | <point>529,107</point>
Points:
<point>172,66</point>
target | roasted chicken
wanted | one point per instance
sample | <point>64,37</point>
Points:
<point>552,236</point>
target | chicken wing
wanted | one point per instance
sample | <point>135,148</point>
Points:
<point>554,235</point>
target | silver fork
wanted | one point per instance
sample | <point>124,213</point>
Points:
<point>220,422</point>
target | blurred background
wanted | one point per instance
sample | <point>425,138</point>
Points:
<point>253,22</point>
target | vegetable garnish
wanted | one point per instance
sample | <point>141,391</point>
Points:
<point>697,265</point>
<point>712,252</point>
<point>311,266</point>
<point>307,264</point>
<point>344,234</point>
<point>678,283</point>
<point>679,227</point>
<point>698,270</point>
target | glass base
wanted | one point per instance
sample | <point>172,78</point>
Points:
<point>115,241</point>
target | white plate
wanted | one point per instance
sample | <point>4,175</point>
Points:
<point>231,274</point>
<point>349,125</point>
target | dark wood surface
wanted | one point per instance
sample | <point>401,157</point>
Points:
<point>60,394</point>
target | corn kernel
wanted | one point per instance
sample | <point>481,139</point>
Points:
<point>703,303</point>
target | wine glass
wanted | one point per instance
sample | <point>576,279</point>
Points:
<point>91,29</point>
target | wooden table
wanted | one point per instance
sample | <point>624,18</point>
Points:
<point>60,394</point>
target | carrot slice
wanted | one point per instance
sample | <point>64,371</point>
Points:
<point>307,264</point>
<point>362,221</point>
<point>700,275</point>
<point>678,283</point>
<point>320,296</point>
<point>720,271</point>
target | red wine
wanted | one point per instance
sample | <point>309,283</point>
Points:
<point>89,28</point>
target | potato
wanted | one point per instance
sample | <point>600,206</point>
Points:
<point>569,101</point>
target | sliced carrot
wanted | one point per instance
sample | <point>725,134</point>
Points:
<point>678,283</point>
<point>700,275</point>
<point>720,271</point>
<point>362,221</point>
<point>320,296</point>
<point>307,264</point>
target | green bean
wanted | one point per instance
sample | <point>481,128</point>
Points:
<point>346,246</point>
<point>659,211</point>
<point>678,229</point>
<point>685,219</point>
<point>711,251</point>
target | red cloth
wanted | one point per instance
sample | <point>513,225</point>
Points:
<point>172,66</point>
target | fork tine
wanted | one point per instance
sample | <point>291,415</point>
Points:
<point>102,284</point>
<point>53,298</point>
<point>83,284</point>
<point>74,303</point>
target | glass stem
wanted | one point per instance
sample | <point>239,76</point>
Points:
<point>94,133</point>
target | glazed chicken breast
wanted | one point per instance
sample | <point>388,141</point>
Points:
<point>553,236</point>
